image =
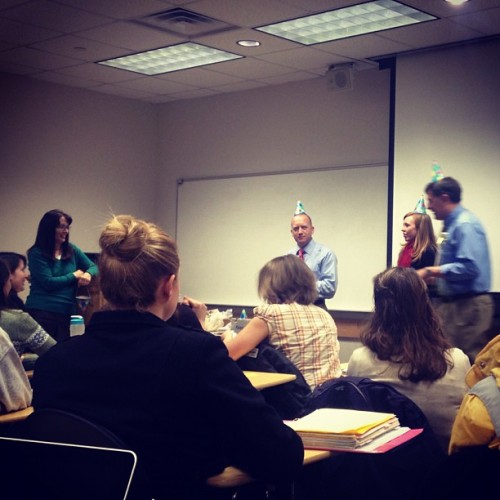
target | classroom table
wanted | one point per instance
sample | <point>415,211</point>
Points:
<point>263,380</point>
<point>16,416</point>
<point>232,477</point>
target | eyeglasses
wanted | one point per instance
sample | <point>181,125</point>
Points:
<point>63,227</point>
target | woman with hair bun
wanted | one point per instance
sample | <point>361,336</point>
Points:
<point>172,395</point>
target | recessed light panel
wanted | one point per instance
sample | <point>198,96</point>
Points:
<point>358,19</point>
<point>173,58</point>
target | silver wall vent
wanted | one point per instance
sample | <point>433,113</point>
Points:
<point>184,23</point>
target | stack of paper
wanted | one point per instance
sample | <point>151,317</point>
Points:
<point>356,430</point>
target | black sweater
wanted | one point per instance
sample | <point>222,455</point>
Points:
<point>172,395</point>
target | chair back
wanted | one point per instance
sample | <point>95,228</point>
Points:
<point>393,475</point>
<point>66,456</point>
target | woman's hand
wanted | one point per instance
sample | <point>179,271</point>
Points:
<point>78,274</point>
<point>199,308</point>
<point>83,277</point>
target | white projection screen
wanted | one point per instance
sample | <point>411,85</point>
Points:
<point>448,111</point>
<point>228,228</point>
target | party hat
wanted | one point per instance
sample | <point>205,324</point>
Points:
<point>437,172</point>
<point>300,209</point>
<point>420,206</point>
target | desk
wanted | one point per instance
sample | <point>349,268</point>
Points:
<point>16,416</point>
<point>232,477</point>
<point>263,380</point>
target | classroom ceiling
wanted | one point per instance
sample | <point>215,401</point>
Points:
<point>61,40</point>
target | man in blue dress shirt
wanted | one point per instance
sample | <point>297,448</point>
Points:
<point>320,259</point>
<point>463,273</point>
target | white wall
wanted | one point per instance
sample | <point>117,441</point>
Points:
<point>297,126</point>
<point>90,154</point>
<point>448,110</point>
<point>83,152</point>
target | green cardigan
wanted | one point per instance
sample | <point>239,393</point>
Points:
<point>53,285</point>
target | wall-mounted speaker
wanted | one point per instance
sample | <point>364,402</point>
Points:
<point>339,77</point>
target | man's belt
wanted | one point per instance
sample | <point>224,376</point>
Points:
<point>461,296</point>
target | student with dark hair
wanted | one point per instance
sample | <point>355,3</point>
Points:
<point>171,394</point>
<point>463,274</point>
<point>18,275</point>
<point>404,346</point>
<point>57,267</point>
<point>305,333</point>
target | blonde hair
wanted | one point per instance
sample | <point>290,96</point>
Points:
<point>424,237</point>
<point>287,279</point>
<point>135,255</point>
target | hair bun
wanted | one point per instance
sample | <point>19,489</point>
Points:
<point>124,237</point>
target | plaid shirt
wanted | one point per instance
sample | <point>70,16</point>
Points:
<point>307,335</point>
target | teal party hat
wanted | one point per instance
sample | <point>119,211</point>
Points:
<point>299,209</point>
<point>420,206</point>
<point>437,172</point>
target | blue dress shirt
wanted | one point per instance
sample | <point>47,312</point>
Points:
<point>323,263</point>
<point>464,256</point>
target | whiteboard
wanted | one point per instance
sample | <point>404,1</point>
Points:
<point>229,227</point>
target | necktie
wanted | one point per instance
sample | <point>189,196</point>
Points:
<point>301,253</point>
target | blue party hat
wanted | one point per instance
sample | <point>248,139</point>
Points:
<point>420,206</point>
<point>299,209</point>
<point>437,172</point>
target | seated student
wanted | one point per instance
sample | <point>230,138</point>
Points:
<point>478,419</point>
<point>15,389</point>
<point>305,333</point>
<point>18,275</point>
<point>24,332</point>
<point>172,395</point>
<point>404,346</point>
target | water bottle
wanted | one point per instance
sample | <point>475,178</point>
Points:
<point>77,326</point>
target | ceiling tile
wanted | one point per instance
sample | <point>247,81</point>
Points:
<point>54,16</point>
<point>130,36</point>
<point>61,41</point>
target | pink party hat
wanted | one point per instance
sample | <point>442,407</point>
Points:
<point>437,172</point>
<point>420,206</point>
<point>299,209</point>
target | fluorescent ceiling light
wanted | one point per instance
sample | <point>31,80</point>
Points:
<point>173,58</point>
<point>358,19</point>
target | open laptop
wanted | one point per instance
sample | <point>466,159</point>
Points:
<point>37,469</point>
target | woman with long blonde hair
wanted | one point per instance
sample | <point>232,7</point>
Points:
<point>419,248</point>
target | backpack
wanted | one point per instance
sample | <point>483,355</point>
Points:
<point>365,394</point>
<point>288,399</point>
<point>393,475</point>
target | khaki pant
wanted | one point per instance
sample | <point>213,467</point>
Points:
<point>466,322</point>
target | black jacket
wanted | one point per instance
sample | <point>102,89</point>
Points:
<point>172,395</point>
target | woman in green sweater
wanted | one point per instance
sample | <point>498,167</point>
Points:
<point>57,268</point>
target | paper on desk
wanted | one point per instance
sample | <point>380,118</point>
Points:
<point>340,421</point>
